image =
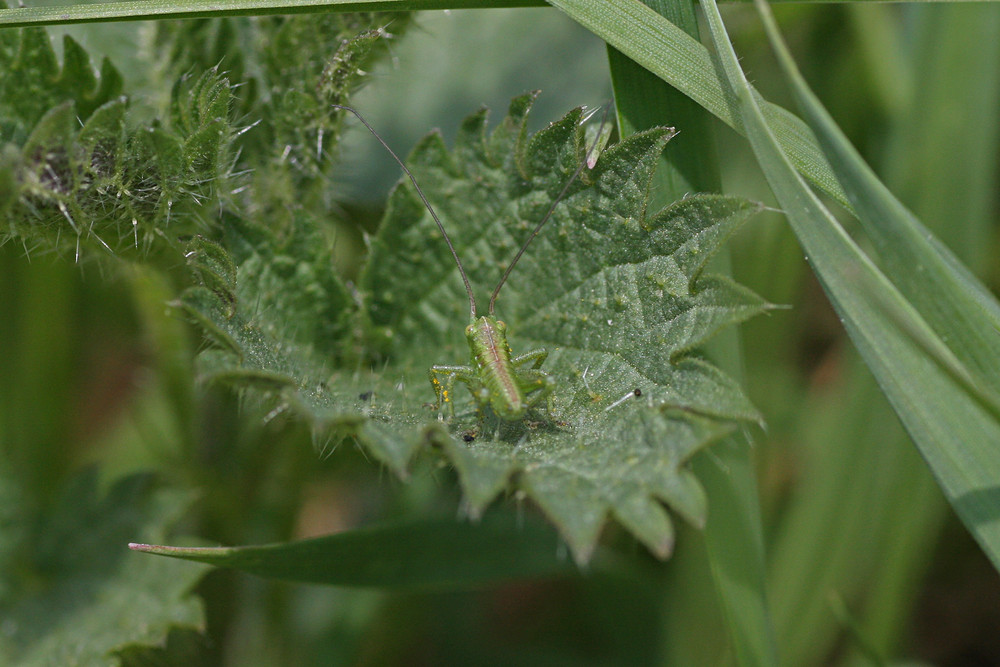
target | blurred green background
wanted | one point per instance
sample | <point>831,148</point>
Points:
<point>853,520</point>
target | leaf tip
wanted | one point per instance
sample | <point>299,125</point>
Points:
<point>582,553</point>
<point>665,548</point>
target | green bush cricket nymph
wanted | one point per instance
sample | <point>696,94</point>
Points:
<point>509,385</point>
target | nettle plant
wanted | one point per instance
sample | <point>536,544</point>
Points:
<point>616,293</point>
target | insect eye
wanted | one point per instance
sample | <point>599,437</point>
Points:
<point>468,330</point>
<point>501,324</point>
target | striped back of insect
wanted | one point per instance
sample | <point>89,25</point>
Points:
<point>487,338</point>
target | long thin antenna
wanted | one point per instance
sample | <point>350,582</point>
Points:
<point>555,202</point>
<point>458,262</point>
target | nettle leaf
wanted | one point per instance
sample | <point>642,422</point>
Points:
<point>274,58</point>
<point>289,279</point>
<point>115,186</point>
<point>33,82</point>
<point>374,408</point>
<point>302,125</point>
<point>617,294</point>
<point>73,595</point>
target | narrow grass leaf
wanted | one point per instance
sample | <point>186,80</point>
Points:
<point>957,434</point>
<point>962,335</point>
<point>442,553</point>
<point>683,62</point>
<point>951,300</point>
<point>142,10</point>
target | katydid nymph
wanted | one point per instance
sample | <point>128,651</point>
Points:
<point>510,385</point>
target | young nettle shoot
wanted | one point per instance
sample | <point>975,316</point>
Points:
<point>509,385</point>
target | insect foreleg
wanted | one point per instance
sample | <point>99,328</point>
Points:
<point>538,356</point>
<point>445,391</point>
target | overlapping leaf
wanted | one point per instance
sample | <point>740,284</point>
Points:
<point>616,294</point>
<point>71,593</point>
<point>33,82</point>
<point>77,173</point>
<point>284,86</point>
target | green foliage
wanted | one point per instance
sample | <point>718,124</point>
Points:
<point>82,172</point>
<point>69,592</point>
<point>615,292</point>
<point>929,368</point>
<point>214,182</point>
<point>33,82</point>
<point>286,88</point>
<point>105,183</point>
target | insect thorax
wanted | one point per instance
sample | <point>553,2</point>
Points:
<point>487,338</point>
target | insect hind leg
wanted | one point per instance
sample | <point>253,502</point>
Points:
<point>538,356</point>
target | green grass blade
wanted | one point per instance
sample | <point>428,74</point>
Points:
<point>955,433</point>
<point>423,554</point>
<point>644,101</point>
<point>671,54</point>
<point>953,51</point>
<point>956,305</point>
<point>735,545</point>
<point>142,10</point>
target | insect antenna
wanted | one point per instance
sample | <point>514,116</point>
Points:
<point>552,208</point>
<point>458,262</point>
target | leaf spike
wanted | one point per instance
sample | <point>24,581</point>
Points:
<point>458,262</point>
<point>562,193</point>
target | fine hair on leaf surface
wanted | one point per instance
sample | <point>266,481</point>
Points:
<point>83,175</point>
<point>85,172</point>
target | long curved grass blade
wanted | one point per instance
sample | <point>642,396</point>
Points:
<point>683,62</point>
<point>952,301</point>
<point>930,388</point>
<point>142,10</point>
<point>957,308</point>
